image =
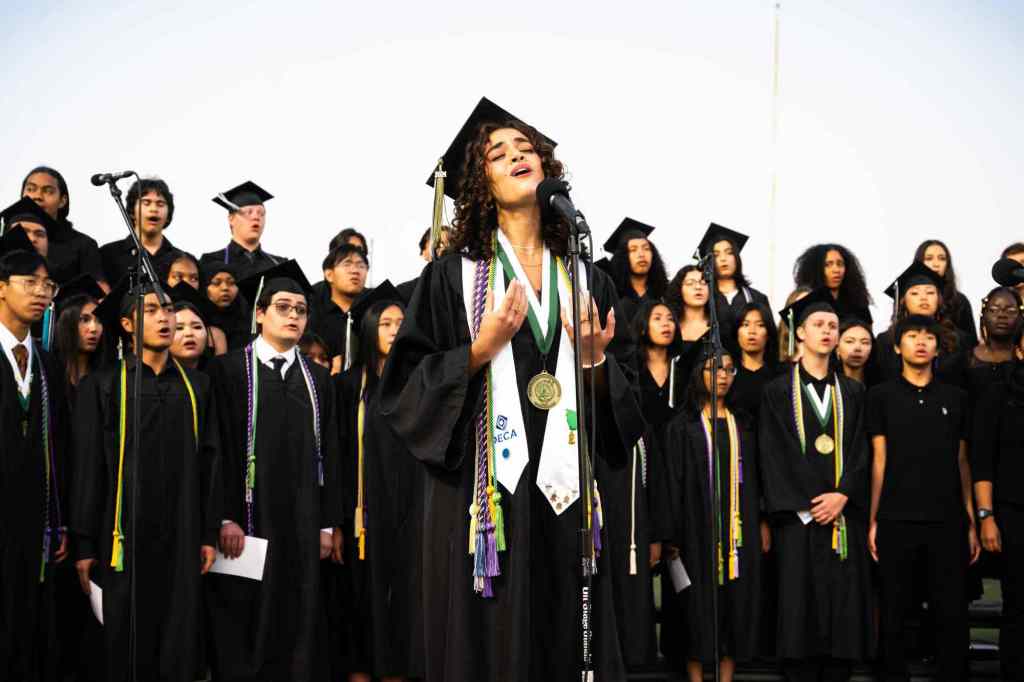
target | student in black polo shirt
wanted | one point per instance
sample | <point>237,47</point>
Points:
<point>997,463</point>
<point>921,499</point>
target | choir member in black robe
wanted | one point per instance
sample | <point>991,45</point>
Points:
<point>636,266</point>
<point>825,614</point>
<point>150,205</point>
<point>757,339</point>
<point>922,508</point>
<point>315,348</point>
<point>733,287</point>
<point>281,484</point>
<point>191,336</point>
<point>689,297</point>
<point>659,351</point>
<point>38,227</point>
<point>742,538</point>
<point>918,291</point>
<point>231,313</point>
<point>247,218</point>
<point>145,523</point>
<point>74,253</point>
<point>854,349</point>
<point>935,255</point>
<point>382,506</point>
<point>997,465</point>
<point>33,432</point>
<point>991,361</point>
<point>523,624</point>
<point>345,269</point>
<point>836,268</point>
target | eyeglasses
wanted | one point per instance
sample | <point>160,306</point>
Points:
<point>356,265</point>
<point>37,285</point>
<point>694,283</point>
<point>729,371</point>
<point>285,309</point>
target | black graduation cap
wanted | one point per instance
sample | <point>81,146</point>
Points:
<point>246,194</point>
<point>917,273</point>
<point>26,210</point>
<point>109,309</point>
<point>183,292</point>
<point>383,292</point>
<point>698,353</point>
<point>485,111</point>
<point>83,285</point>
<point>15,239</point>
<point>819,299</point>
<point>716,233</point>
<point>627,229</point>
<point>603,264</point>
<point>274,279</point>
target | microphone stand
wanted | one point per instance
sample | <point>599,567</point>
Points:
<point>588,562</point>
<point>144,273</point>
<point>714,349</point>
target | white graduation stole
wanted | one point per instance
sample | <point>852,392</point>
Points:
<point>558,470</point>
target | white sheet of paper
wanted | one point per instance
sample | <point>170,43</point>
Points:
<point>680,578</point>
<point>805,516</point>
<point>248,565</point>
<point>96,600</point>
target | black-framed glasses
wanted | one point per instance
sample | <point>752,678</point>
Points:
<point>284,309</point>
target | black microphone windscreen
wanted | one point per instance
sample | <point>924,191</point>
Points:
<point>547,188</point>
<point>1006,272</point>
<point>98,179</point>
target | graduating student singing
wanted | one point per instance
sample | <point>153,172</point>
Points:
<point>145,525</point>
<point>280,433</point>
<point>814,459</point>
<point>247,218</point>
<point>480,387</point>
<point>636,266</point>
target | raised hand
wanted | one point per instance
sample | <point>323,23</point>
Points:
<point>498,325</point>
<point>594,338</point>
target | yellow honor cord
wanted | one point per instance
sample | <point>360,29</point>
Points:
<point>117,549</point>
<point>360,527</point>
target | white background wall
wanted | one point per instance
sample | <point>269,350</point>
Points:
<point>898,121</point>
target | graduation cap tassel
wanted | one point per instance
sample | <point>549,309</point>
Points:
<point>792,336</point>
<point>259,292</point>
<point>438,219</point>
<point>672,383</point>
<point>48,327</point>
<point>348,342</point>
<point>632,515</point>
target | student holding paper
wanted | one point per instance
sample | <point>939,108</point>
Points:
<point>161,552</point>
<point>279,429</point>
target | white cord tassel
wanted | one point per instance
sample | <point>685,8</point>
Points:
<point>632,518</point>
<point>348,341</point>
<point>672,382</point>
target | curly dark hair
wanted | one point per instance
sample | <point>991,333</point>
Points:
<point>949,288</point>
<point>476,216</point>
<point>674,293</point>
<point>657,279</point>
<point>809,271</point>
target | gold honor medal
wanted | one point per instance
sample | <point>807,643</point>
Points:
<point>544,391</point>
<point>824,444</point>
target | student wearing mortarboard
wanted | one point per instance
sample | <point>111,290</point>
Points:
<point>733,287</point>
<point>78,336</point>
<point>465,341</point>
<point>836,268</point>
<point>279,429</point>
<point>34,438</point>
<point>193,344</point>
<point>178,267</point>
<point>150,206</point>
<point>37,226</point>
<point>918,291</point>
<point>1015,251</point>
<point>743,536</point>
<point>636,266</point>
<point>73,253</point>
<point>170,487</point>
<point>345,269</point>
<point>382,508</point>
<point>247,218</point>
<point>922,506</point>
<point>814,464</point>
<point>231,312</point>
<point>935,254</point>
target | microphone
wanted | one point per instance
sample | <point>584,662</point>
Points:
<point>1008,272</point>
<point>553,194</point>
<point>103,178</point>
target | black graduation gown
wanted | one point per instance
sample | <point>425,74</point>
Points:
<point>235,321</point>
<point>75,254</point>
<point>727,312</point>
<point>950,368</point>
<point>273,630</point>
<point>178,510</point>
<point>690,490</point>
<point>26,604</point>
<point>382,604</point>
<point>120,256</point>
<point>825,603</point>
<point>748,386</point>
<point>329,321</point>
<point>528,630</point>
<point>963,318</point>
<point>247,263</point>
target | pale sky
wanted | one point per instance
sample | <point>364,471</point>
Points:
<point>897,121</point>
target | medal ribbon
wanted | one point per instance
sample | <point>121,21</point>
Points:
<point>551,293</point>
<point>839,533</point>
<point>117,549</point>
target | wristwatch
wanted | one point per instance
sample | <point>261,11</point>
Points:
<point>984,514</point>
